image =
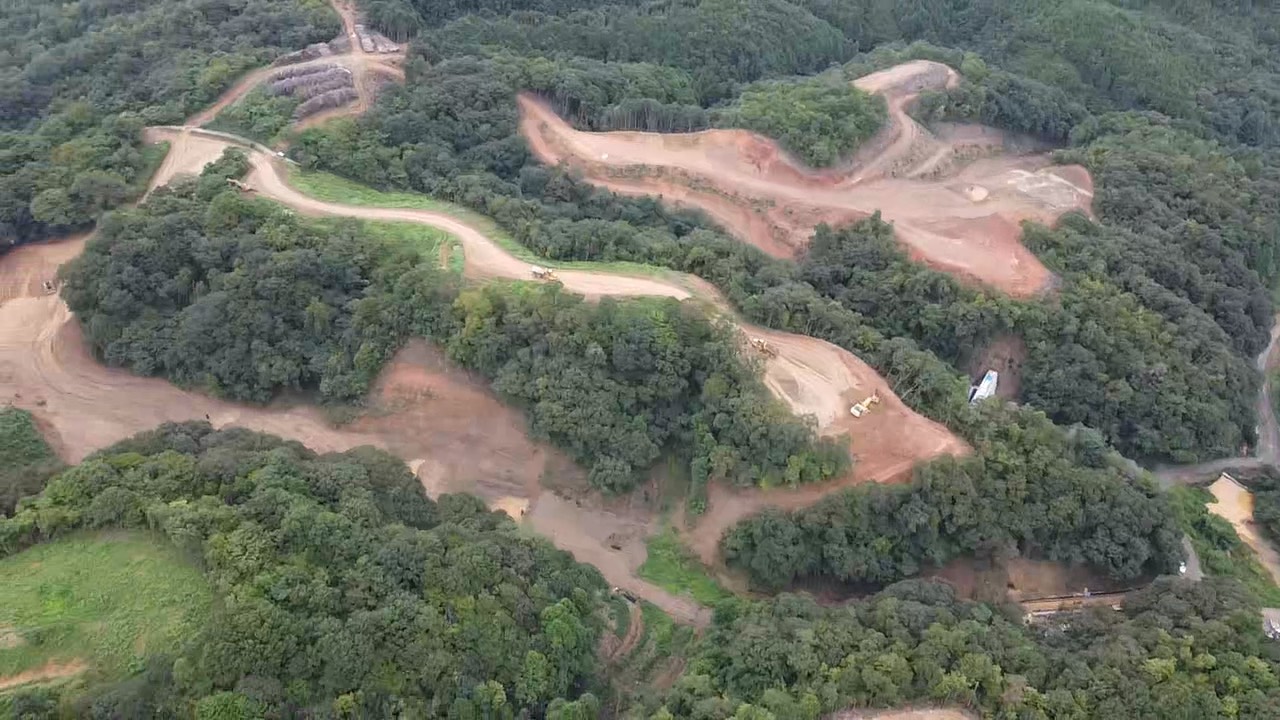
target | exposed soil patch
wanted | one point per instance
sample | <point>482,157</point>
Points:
<point>1005,355</point>
<point>1235,505</point>
<point>49,671</point>
<point>820,379</point>
<point>956,198</point>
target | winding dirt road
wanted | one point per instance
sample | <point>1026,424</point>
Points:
<point>46,367</point>
<point>812,376</point>
<point>956,202</point>
<point>447,425</point>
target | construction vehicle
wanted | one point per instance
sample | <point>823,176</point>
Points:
<point>763,347</point>
<point>542,273</point>
<point>239,185</point>
<point>864,406</point>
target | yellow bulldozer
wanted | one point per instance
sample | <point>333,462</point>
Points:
<point>763,347</point>
<point>864,406</point>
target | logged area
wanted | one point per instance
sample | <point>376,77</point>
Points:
<point>954,200</point>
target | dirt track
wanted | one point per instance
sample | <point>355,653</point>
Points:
<point>454,433</point>
<point>43,360</point>
<point>955,202</point>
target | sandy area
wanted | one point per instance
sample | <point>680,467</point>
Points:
<point>1235,505</point>
<point>817,378</point>
<point>955,199</point>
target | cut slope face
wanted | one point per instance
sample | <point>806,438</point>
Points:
<point>955,201</point>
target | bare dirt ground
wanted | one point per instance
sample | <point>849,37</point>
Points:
<point>451,430</point>
<point>1235,505</point>
<point>812,376</point>
<point>188,154</point>
<point>1005,355</point>
<point>49,671</point>
<point>955,200</point>
<point>817,378</point>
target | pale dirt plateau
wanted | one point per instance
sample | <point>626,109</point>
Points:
<point>956,199</point>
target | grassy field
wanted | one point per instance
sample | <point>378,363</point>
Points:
<point>26,460</point>
<point>106,600</point>
<point>331,188</point>
<point>671,566</point>
<point>431,243</point>
<point>1221,551</point>
<point>152,157</point>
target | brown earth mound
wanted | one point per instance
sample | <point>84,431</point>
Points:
<point>953,208</point>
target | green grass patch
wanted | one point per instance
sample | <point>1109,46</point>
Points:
<point>1273,380</point>
<point>331,188</point>
<point>667,637</point>
<point>1221,551</point>
<point>152,157</point>
<point>671,566</point>
<point>620,610</point>
<point>108,599</point>
<point>26,460</point>
<point>430,243</point>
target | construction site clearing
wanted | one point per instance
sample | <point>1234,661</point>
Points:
<point>45,367</point>
<point>436,417</point>
<point>956,197</point>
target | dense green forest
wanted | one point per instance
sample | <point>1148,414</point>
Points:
<point>79,80</point>
<point>342,591</point>
<point>1177,650</point>
<point>1031,490</point>
<point>243,298</point>
<point>821,121</point>
<point>26,460</point>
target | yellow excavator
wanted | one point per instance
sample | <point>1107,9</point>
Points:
<point>763,347</point>
<point>864,406</point>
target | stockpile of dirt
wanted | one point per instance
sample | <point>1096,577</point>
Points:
<point>956,202</point>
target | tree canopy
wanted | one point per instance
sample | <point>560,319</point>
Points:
<point>342,591</point>
<point>81,79</point>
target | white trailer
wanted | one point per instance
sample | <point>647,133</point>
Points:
<point>984,389</point>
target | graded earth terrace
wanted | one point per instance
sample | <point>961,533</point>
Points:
<point>956,198</point>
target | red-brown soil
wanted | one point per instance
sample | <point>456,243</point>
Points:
<point>956,202</point>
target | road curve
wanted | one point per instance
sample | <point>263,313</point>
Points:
<point>810,375</point>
